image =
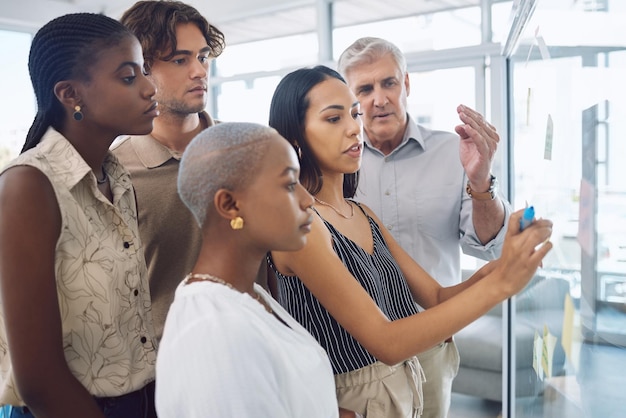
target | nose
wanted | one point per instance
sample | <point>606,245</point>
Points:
<point>380,98</point>
<point>356,126</point>
<point>200,69</point>
<point>150,88</point>
<point>306,200</point>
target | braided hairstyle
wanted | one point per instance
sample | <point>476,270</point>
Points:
<point>64,49</point>
<point>154,23</point>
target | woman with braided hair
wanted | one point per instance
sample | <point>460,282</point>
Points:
<point>76,336</point>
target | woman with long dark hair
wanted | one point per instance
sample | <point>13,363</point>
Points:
<point>352,285</point>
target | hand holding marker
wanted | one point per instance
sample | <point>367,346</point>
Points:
<point>527,217</point>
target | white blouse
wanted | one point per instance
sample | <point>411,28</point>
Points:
<point>223,355</point>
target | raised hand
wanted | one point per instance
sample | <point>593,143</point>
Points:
<point>479,142</point>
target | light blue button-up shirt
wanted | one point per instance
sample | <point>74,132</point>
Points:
<point>418,192</point>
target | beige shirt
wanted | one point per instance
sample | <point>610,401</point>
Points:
<point>104,302</point>
<point>170,233</point>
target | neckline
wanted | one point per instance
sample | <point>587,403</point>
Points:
<point>371,223</point>
<point>337,211</point>
<point>206,277</point>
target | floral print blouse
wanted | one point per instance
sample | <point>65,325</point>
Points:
<point>102,286</point>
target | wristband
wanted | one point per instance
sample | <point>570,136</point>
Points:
<point>490,194</point>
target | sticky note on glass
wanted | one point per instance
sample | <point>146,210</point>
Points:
<point>541,44</point>
<point>568,326</point>
<point>571,336</point>
<point>547,150</point>
<point>547,352</point>
<point>537,354</point>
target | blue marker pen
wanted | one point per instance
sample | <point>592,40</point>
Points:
<point>527,217</point>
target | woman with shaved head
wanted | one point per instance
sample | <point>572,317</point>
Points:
<point>228,348</point>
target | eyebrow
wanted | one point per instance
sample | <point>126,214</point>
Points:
<point>188,52</point>
<point>369,85</point>
<point>288,170</point>
<point>339,107</point>
<point>129,64</point>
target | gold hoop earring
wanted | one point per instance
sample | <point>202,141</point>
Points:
<point>236,223</point>
<point>78,115</point>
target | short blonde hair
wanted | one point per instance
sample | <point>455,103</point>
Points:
<point>225,156</point>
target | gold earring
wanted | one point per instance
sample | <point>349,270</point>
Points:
<point>78,115</point>
<point>236,223</point>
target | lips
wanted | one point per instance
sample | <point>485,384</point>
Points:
<point>355,148</point>
<point>307,225</point>
<point>198,88</point>
<point>152,110</point>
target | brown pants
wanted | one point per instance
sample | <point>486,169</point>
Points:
<point>382,391</point>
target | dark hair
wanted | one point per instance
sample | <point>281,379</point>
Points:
<point>63,49</point>
<point>154,24</point>
<point>290,103</point>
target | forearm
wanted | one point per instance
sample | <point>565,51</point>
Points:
<point>488,218</point>
<point>417,333</point>
<point>446,293</point>
<point>59,396</point>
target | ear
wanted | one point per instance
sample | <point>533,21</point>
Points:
<point>226,204</point>
<point>407,84</point>
<point>67,94</point>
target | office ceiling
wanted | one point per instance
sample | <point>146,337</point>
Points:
<point>240,20</point>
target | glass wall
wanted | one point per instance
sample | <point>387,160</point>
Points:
<point>568,124</point>
<point>17,107</point>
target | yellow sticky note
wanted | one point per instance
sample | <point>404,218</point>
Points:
<point>547,352</point>
<point>568,326</point>
<point>537,353</point>
<point>571,336</point>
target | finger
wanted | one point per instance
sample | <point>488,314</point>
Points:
<point>541,252</point>
<point>514,218</point>
<point>469,111</point>
<point>478,122</point>
<point>535,236</point>
<point>481,139</point>
<point>482,130</point>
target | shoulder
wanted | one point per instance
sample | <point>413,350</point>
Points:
<point>437,136</point>
<point>210,121</point>
<point>26,193</point>
<point>208,312</point>
<point>21,180</point>
<point>368,212</point>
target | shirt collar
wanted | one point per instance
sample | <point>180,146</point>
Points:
<point>411,133</point>
<point>68,165</point>
<point>153,154</point>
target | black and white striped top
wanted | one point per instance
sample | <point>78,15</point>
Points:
<point>378,273</point>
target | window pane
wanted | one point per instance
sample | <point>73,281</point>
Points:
<point>268,55</point>
<point>18,107</point>
<point>436,31</point>
<point>246,101</point>
<point>568,152</point>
